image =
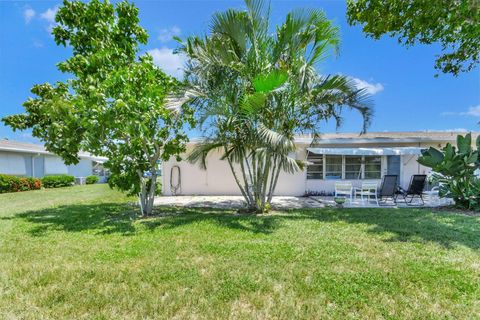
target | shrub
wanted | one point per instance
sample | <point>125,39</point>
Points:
<point>23,184</point>
<point>35,184</point>
<point>10,183</point>
<point>454,168</point>
<point>7,183</point>
<point>92,179</point>
<point>57,181</point>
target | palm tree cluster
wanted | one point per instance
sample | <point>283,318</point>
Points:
<point>254,89</point>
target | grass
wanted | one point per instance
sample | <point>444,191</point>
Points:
<point>76,253</point>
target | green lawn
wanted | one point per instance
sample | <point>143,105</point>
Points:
<point>76,253</point>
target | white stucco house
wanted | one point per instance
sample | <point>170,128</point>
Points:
<point>332,157</point>
<point>32,160</point>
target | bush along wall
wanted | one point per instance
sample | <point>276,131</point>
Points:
<point>58,181</point>
<point>92,180</point>
<point>10,183</point>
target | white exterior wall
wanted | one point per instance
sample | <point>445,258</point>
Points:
<point>82,169</point>
<point>21,164</point>
<point>12,163</point>
<point>218,178</point>
<point>54,165</point>
<point>409,166</point>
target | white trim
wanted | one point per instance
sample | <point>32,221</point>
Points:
<point>367,151</point>
<point>45,152</point>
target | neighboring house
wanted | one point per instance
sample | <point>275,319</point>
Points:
<point>330,158</point>
<point>32,160</point>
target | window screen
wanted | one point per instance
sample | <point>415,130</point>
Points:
<point>315,166</point>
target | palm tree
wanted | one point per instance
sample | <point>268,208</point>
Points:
<point>254,90</point>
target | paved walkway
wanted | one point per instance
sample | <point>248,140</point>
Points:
<point>279,203</point>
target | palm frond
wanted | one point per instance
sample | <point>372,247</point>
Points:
<point>334,92</point>
<point>200,152</point>
<point>275,141</point>
<point>231,24</point>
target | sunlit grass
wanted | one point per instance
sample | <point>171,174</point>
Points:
<point>78,253</point>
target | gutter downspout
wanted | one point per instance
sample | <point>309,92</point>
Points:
<point>33,164</point>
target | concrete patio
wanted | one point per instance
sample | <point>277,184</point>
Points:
<point>228,202</point>
<point>282,203</point>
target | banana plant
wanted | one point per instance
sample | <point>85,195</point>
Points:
<point>454,169</point>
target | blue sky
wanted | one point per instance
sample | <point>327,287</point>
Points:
<point>406,94</point>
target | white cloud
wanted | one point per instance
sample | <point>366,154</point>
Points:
<point>28,14</point>
<point>471,112</point>
<point>171,63</point>
<point>37,44</point>
<point>371,88</point>
<point>168,33</point>
<point>49,15</point>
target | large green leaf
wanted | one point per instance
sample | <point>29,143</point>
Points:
<point>471,158</point>
<point>268,82</point>
<point>254,102</point>
<point>464,144</point>
<point>431,157</point>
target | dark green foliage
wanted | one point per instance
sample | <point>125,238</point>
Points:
<point>92,179</point>
<point>455,171</point>
<point>114,102</point>
<point>58,181</point>
<point>453,24</point>
<point>10,183</point>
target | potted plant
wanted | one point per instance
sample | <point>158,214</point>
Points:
<point>339,201</point>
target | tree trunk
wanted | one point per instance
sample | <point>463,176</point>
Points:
<point>147,193</point>
<point>273,184</point>
<point>151,192</point>
<point>259,181</point>
<point>243,190</point>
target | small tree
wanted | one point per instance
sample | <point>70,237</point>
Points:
<point>454,169</point>
<point>114,105</point>
<point>255,90</point>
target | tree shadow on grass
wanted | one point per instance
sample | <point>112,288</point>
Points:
<point>401,225</point>
<point>409,225</point>
<point>174,217</point>
<point>104,218</point>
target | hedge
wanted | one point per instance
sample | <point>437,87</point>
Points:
<point>10,183</point>
<point>57,181</point>
<point>92,179</point>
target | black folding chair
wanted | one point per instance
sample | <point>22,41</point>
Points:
<point>415,189</point>
<point>388,188</point>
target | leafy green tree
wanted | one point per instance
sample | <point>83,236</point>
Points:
<point>453,24</point>
<point>454,169</point>
<point>254,90</point>
<point>114,104</point>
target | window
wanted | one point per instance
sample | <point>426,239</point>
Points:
<point>333,167</point>
<point>373,167</point>
<point>315,166</point>
<point>337,167</point>
<point>353,167</point>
